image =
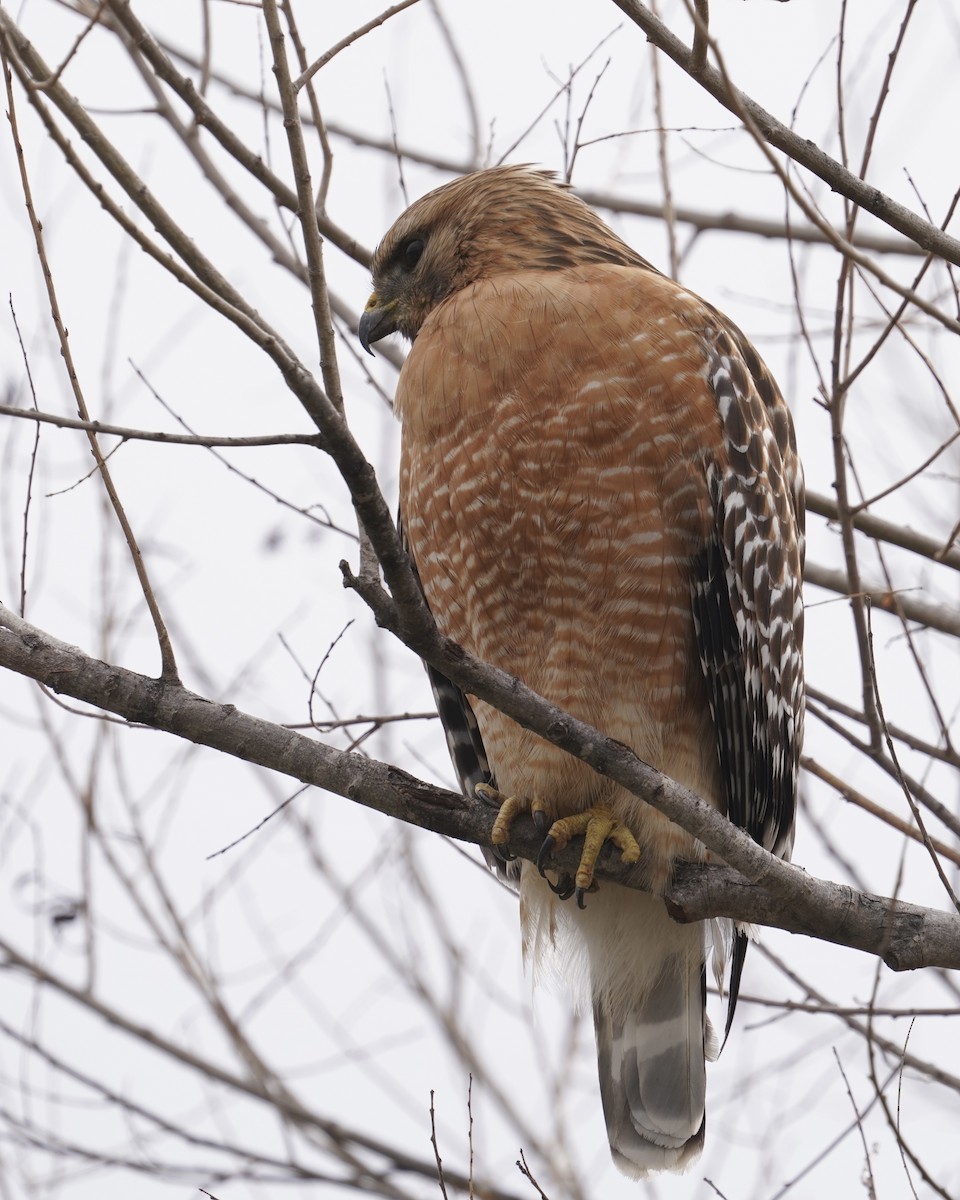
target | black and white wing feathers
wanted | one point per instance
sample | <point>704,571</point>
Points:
<point>747,602</point>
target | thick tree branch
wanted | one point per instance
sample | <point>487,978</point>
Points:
<point>903,935</point>
<point>923,612</point>
<point>780,895</point>
<point>404,613</point>
<point>888,531</point>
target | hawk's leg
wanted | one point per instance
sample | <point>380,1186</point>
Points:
<point>597,825</point>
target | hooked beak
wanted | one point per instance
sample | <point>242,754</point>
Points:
<point>377,321</point>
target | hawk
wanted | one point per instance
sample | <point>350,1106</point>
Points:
<point>601,494</point>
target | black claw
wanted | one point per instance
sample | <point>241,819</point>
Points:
<point>504,854</point>
<point>540,820</point>
<point>545,851</point>
<point>581,903</point>
<point>563,887</point>
<point>485,799</point>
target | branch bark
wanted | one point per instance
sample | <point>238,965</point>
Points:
<point>779,894</point>
<point>933,616</point>
<point>936,549</point>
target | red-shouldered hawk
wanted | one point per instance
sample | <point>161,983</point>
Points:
<point>600,491</point>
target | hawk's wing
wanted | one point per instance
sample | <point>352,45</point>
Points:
<point>747,603</point>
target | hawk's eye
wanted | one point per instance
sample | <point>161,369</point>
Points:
<point>411,252</point>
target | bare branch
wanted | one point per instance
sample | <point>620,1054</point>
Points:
<point>775,892</point>
<point>888,531</point>
<point>803,151</point>
<point>900,603</point>
<point>129,433</point>
<point>349,40</point>
<point>167,659</point>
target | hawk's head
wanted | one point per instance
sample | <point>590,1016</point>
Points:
<point>503,220</point>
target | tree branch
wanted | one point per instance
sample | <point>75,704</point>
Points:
<point>701,220</point>
<point>243,1083</point>
<point>801,150</point>
<point>934,616</point>
<point>887,531</point>
<point>130,434</point>
<point>780,895</point>
<point>234,145</point>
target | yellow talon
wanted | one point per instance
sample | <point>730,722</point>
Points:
<point>510,808</point>
<point>598,825</point>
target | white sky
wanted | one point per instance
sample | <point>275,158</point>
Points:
<point>252,592</point>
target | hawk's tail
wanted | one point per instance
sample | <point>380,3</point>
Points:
<point>651,1046</point>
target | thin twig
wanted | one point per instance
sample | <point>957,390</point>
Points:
<point>528,1175</point>
<point>349,40</point>
<point>852,796</point>
<point>870,1184</point>
<point>436,1148</point>
<point>944,753</point>
<point>663,160</point>
<point>908,794</point>
<point>912,474</point>
<point>470,1191</point>
<point>92,21</point>
<point>33,465</point>
<point>306,210</point>
<point>168,663</point>
<point>463,74</point>
<point>129,433</point>
<point>319,125</point>
<point>259,825</point>
<point>943,617</point>
<point>802,150</point>
<point>900,1144</point>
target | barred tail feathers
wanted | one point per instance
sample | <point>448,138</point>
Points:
<point>648,990</point>
<point>644,977</point>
